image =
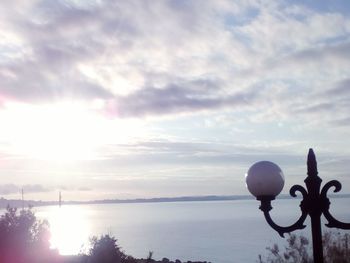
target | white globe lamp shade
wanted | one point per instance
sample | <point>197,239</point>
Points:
<point>265,179</point>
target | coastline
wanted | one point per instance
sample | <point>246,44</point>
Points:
<point>36,203</point>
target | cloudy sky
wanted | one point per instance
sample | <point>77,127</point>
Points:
<point>139,98</point>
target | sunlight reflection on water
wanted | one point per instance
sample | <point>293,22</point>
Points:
<point>70,227</point>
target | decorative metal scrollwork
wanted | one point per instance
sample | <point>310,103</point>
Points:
<point>332,222</point>
<point>299,224</point>
<point>312,202</point>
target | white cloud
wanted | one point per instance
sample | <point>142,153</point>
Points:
<point>274,69</point>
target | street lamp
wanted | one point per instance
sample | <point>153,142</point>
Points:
<point>265,181</point>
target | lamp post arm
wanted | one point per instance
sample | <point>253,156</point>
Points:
<point>332,222</point>
<point>299,224</point>
<point>266,207</point>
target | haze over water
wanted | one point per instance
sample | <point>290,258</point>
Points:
<point>216,231</point>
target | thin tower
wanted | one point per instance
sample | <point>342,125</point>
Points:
<point>22,200</point>
<point>59,199</point>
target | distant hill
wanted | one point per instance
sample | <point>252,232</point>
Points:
<point>26,203</point>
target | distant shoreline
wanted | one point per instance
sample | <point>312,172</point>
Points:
<point>26,203</point>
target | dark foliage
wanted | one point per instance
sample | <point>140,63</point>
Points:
<point>336,249</point>
<point>23,238</point>
<point>106,250</point>
<point>299,249</point>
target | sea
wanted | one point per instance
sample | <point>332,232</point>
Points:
<point>212,231</point>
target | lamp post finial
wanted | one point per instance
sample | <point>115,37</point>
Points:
<point>311,163</point>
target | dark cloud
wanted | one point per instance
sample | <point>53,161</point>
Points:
<point>316,108</point>
<point>7,189</point>
<point>341,89</point>
<point>340,51</point>
<point>332,103</point>
<point>34,188</point>
<point>345,122</point>
<point>175,100</point>
<point>84,189</point>
<point>154,153</point>
<point>329,102</point>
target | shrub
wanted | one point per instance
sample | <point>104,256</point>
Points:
<point>336,247</point>
<point>298,249</point>
<point>105,250</point>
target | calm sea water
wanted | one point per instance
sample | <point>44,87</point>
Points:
<point>220,231</point>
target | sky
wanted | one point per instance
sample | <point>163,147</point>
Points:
<point>139,98</point>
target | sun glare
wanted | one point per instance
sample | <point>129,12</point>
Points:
<point>69,228</point>
<point>65,131</point>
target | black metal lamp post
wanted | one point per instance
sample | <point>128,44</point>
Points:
<point>265,181</point>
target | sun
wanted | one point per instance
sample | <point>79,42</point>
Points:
<point>63,131</point>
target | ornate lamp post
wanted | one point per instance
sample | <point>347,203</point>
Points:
<point>265,181</point>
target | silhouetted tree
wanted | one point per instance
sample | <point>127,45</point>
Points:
<point>104,250</point>
<point>23,238</point>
